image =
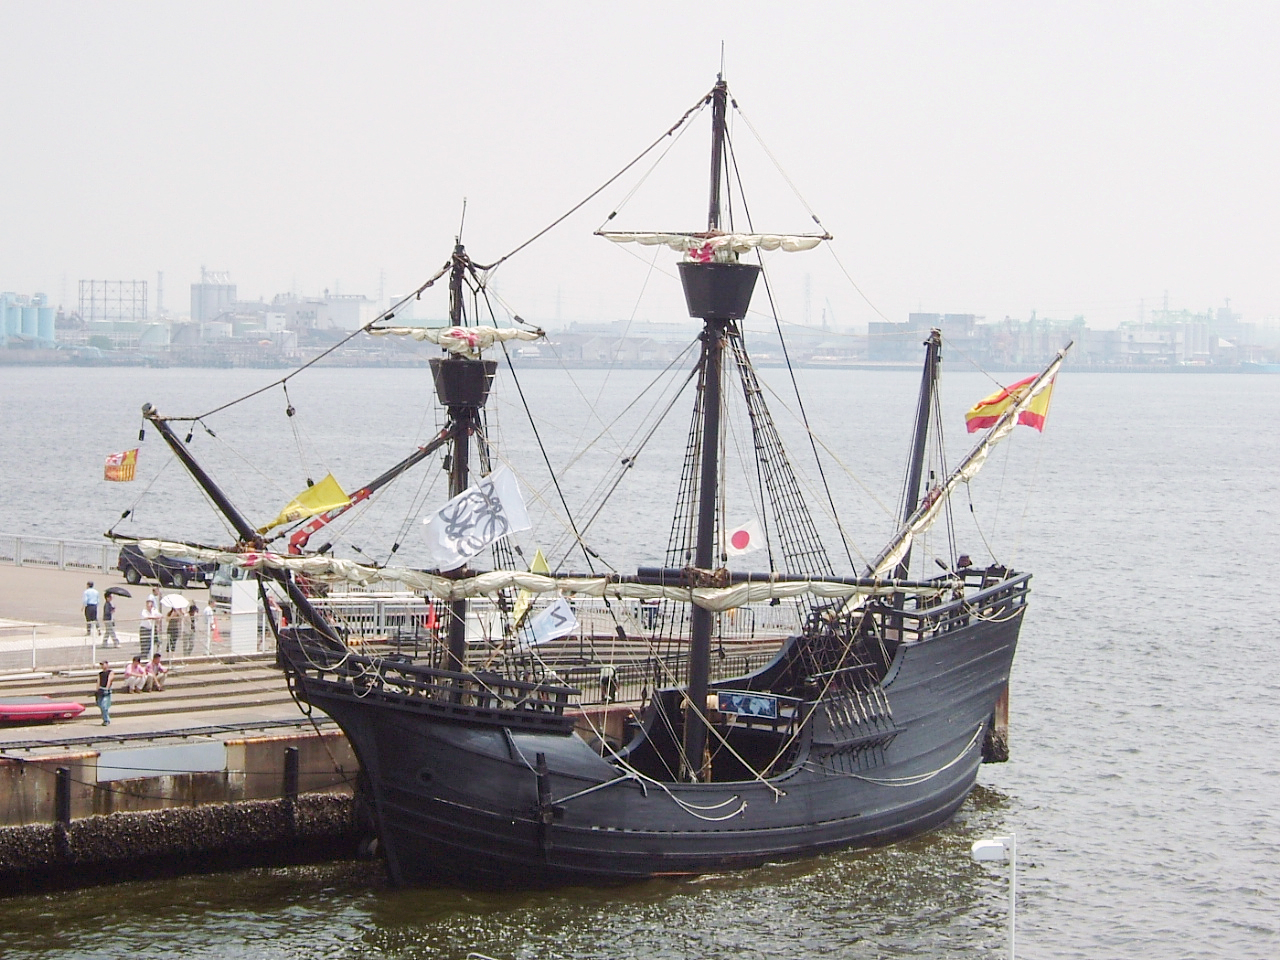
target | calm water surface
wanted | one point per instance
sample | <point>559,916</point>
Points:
<point>1143,783</point>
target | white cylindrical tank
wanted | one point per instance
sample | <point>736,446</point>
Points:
<point>30,321</point>
<point>45,323</point>
<point>12,319</point>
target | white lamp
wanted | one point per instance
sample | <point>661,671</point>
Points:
<point>1000,849</point>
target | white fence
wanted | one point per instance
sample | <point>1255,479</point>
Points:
<point>50,552</point>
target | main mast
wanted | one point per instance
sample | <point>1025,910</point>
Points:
<point>717,292</point>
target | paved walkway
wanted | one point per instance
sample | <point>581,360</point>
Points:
<point>42,607</point>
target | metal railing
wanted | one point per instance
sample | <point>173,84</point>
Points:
<point>59,554</point>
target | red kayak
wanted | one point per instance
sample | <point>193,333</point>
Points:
<point>37,709</point>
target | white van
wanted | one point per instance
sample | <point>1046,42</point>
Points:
<point>225,575</point>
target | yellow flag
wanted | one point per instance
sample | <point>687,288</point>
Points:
<point>319,498</point>
<point>525,598</point>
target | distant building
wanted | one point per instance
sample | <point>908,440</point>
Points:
<point>329,312</point>
<point>213,296</point>
<point>900,342</point>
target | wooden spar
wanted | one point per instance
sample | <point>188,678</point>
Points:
<point>461,415</point>
<point>244,529</point>
<point>719,103</point>
<point>928,383</point>
<point>715,322</point>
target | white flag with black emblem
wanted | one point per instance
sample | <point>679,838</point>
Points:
<point>557,620</point>
<point>476,518</point>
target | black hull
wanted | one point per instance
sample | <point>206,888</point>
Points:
<point>460,804</point>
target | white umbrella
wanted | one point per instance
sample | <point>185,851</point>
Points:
<point>174,601</point>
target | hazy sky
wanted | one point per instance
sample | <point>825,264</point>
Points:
<point>989,158</point>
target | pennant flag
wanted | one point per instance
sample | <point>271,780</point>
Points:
<point>318,498</point>
<point>120,467</point>
<point>557,620</point>
<point>476,518</point>
<point>744,539</point>
<point>987,410</point>
<point>525,598</point>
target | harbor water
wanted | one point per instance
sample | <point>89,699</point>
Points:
<point>1144,700</point>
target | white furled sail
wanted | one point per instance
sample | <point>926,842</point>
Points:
<point>932,505</point>
<point>717,599</point>
<point>465,341</point>
<point>713,242</point>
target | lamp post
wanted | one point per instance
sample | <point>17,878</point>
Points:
<point>1002,849</point>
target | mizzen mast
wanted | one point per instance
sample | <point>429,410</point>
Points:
<point>915,470</point>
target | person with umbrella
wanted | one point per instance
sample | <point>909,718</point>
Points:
<point>109,637</point>
<point>174,605</point>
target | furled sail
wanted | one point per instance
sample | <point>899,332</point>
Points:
<point>468,341</point>
<point>716,242</point>
<point>491,583</point>
<point>932,505</point>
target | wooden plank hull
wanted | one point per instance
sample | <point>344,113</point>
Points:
<point>463,805</point>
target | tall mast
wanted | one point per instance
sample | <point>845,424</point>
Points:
<point>462,384</point>
<point>719,293</point>
<point>915,471</point>
<point>719,101</point>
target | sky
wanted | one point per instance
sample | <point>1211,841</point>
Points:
<point>990,158</point>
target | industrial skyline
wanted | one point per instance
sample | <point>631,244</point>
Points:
<point>992,158</point>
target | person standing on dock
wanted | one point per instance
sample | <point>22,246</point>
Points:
<point>149,629</point>
<point>90,601</point>
<point>173,629</point>
<point>103,695</point>
<point>189,629</point>
<point>109,637</point>
<point>210,626</point>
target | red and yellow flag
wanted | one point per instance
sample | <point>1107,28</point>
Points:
<point>987,410</point>
<point>120,466</point>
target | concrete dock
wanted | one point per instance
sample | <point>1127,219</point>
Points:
<point>221,766</point>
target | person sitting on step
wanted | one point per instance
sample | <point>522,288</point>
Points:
<point>156,671</point>
<point>135,676</point>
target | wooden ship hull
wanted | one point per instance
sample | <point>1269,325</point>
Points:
<point>474,799</point>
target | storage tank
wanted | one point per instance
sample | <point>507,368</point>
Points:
<point>12,319</point>
<point>45,323</point>
<point>30,321</point>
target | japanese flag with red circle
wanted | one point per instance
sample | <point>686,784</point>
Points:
<point>743,539</point>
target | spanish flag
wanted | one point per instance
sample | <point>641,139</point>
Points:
<point>319,498</point>
<point>120,467</point>
<point>987,410</point>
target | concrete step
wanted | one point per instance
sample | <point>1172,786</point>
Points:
<point>191,686</point>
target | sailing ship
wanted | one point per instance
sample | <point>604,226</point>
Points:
<point>865,724</point>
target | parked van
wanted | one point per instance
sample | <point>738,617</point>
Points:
<point>226,574</point>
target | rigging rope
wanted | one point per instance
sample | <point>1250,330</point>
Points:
<point>596,192</point>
